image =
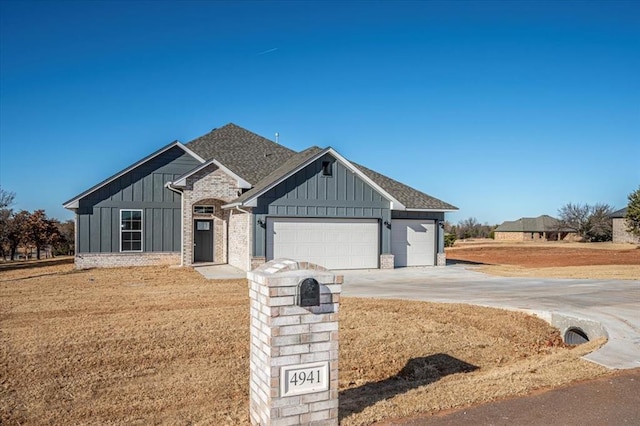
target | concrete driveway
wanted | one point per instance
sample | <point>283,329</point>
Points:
<point>610,308</point>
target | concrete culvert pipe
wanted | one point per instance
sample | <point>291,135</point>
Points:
<point>575,336</point>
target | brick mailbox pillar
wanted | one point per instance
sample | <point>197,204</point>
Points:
<point>294,344</point>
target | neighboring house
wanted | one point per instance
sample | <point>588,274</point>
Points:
<point>542,228</point>
<point>620,232</point>
<point>234,197</point>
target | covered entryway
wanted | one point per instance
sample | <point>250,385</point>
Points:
<point>332,243</point>
<point>202,241</point>
<point>413,242</point>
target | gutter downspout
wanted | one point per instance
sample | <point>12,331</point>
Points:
<point>171,188</point>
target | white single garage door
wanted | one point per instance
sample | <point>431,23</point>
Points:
<point>332,243</point>
<point>413,242</point>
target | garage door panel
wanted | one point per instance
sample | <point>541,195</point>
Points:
<point>413,242</point>
<point>332,243</point>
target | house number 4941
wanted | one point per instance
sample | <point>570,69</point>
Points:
<point>304,378</point>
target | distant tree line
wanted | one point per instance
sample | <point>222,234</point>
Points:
<point>592,223</point>
<point>465,229</point>
<point>28,231</point>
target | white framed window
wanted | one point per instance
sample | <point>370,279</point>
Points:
<point>203,210</point>
<point>130,230</point>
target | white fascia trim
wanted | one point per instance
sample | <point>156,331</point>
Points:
<point>191,153</point>
<point>182,180</point>
<point>431,210</point>
<point>74,202</point>
<point>394,204</point>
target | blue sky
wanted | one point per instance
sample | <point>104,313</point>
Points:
<point>504,109</point>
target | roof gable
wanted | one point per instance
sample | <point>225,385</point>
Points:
<point>73,203</point>
<point>298,162</point>
<point>182,180</point>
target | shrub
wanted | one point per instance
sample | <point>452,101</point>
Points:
<point>449,240</point>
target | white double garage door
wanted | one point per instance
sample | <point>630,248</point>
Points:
<point>350,243</point>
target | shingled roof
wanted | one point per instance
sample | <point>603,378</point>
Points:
<point>262,162</point>
<point>410,197</point>
<point>245,153</point>
<point>619,213</point>
<point>542,223</point>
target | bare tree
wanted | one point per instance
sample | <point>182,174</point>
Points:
<point>576,218</point>
<point>66,243</point>
<point>591,223</point>
<point>600,224</point>
<point>6,198</point>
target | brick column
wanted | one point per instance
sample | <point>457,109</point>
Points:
<point>294,349</point>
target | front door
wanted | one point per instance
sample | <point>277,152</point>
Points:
<point>203,241</point>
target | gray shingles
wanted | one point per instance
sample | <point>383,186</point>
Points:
<point>542,223</point>
<point>245,153</point>
<point>619,213</point>
<point>410,197</point>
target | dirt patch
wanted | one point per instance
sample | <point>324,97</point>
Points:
<point>161,345</point>
<point>553,260</point>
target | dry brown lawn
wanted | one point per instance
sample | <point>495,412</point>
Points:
<point>161,345</point>
<point>551,259</point>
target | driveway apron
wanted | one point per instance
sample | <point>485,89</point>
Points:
<point>612,306</point>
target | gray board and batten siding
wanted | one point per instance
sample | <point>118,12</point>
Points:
<point>308,193</point>
<point>143,188</point>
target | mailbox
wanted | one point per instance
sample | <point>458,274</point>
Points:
<point>309,292</point>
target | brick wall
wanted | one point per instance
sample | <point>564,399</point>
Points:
<point>620,233</point>
<point>286,335</point>
<point>210,186</point>
<point>511,236</point>
<point>386,261</point>
<point>240,239</point>
<point>113,260</point>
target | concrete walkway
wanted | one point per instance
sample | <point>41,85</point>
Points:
<point>599,307</point>
<point>220,272</point>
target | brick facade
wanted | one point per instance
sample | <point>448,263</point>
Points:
<point>620,233</point>
<point>534,236</point>
<point>240,239</point>
<point>112,260</point>
<point>210,187</point>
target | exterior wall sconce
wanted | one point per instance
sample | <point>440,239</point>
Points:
<point>261,223</point>
<point>387,224</point>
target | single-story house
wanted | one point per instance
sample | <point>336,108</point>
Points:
<point>541,228</point>
<point>620,232</point>
<point>232,196</point>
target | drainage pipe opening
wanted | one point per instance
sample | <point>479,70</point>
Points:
<point>575,336</point>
